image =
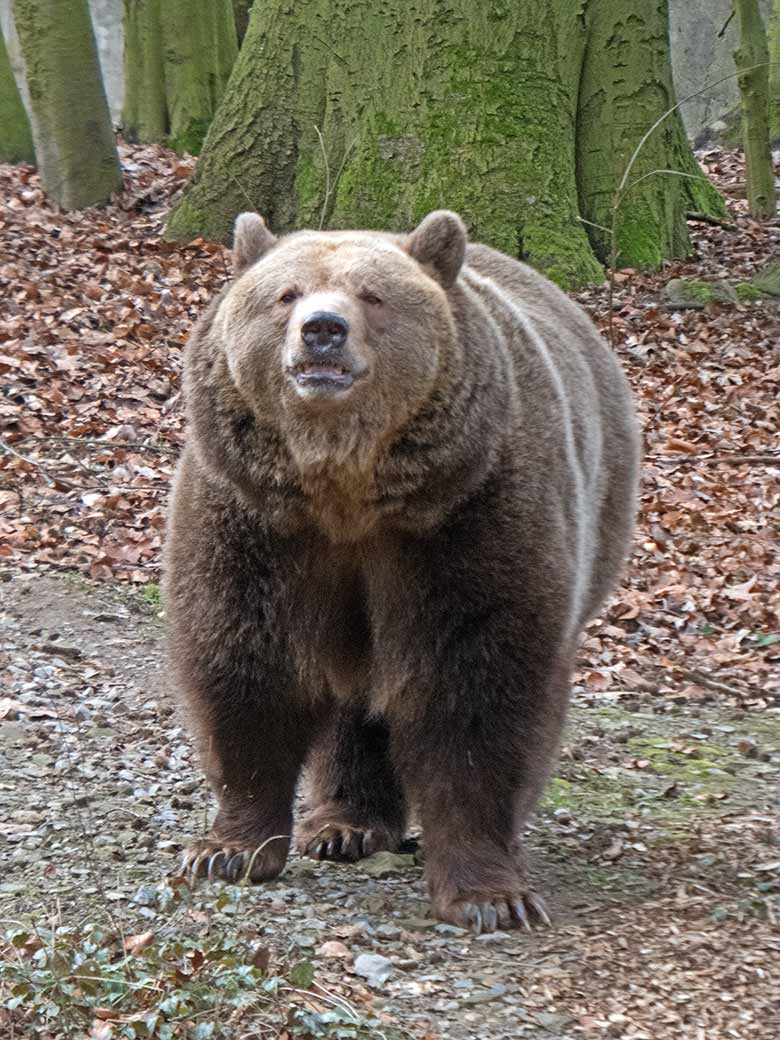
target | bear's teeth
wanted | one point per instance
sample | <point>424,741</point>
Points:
<point>324,372</point>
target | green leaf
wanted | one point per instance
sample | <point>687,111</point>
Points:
<point>302,974</point>
<point>768,640</point>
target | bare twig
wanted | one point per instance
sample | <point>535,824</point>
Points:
<point>327,176</point>
<point>706,218</point>
<point>97,443</point>
<point>727,460</point>
<point>670,111</point>
<point>330,188</point>
<point>30,462</point>
<point>241,189</point>
<point>705,680</point>
<point>726,24</point>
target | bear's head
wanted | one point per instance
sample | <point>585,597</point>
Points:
<point>339,337</point>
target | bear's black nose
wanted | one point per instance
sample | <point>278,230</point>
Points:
<point>324,331</point>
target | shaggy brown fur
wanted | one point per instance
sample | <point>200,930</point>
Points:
<point>387,579</point>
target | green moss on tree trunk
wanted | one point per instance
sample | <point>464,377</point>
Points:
<point>145,109</point>
<point>753,56</point>
<point>626,86</point>
<point>74,140</point>
<point>773,33</point>
<point>423,103</point>
<point>178,57</point>
<point>16,144</point>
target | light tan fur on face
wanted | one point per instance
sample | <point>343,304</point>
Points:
<point>336,447</point>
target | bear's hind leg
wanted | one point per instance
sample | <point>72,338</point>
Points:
<point>356,805</point>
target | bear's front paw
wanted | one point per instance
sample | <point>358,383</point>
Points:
<point>480,912</point>
<point>225,861</point>
<point>326,834</point>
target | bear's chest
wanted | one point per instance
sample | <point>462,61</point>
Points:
<point>341,503</point>
<point>354,616</point>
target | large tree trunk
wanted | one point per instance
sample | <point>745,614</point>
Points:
<point>71,125</point>
<point>16,144</point>
<point>509,113</point>
<point>626,86</point>
<point>753,56</point>
<point>178,57</point>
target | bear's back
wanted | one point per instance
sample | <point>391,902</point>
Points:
<point>575,406</point>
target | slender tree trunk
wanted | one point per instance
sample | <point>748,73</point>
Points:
<point>71,125</point>
<point>505,112</point>
<point>774,70</point>
<point>178,57</point>
<point>754,99</point>
<point>145,108</point>
<point>16,144</point>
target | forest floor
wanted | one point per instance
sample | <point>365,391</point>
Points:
<point>658,842</point>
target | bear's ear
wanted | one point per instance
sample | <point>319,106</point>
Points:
<point>251,238</point>
<point>440,242</point>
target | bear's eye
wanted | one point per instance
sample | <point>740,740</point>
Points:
<point>290,296</point>
<point>370,298</point>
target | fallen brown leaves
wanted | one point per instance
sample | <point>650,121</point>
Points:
<point>96,312</point>
<point>701,601</point>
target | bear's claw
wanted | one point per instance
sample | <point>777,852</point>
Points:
<point>343,843</point>
<point>214,861</point>
<point>498,913</point>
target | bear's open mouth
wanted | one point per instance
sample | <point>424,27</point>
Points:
<point>322,380</point>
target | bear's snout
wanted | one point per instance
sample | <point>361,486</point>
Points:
<point>322,366</point>
<point>324,332</point>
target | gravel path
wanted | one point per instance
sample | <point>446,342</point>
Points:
<point>657,848</point>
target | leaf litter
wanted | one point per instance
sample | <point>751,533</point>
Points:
<point>658,839</point>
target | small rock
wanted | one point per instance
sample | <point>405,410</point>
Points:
<point>374,968</point>
<point>303,940</point>
<point>748,747</point>
<point>450,929</point>
<point>682,293</point>
<point>381,864</point>
<point>768,280</point>
<point>333,948</point>
<point>145,896</point>
<point>387,931</point>
<point>483,996</point>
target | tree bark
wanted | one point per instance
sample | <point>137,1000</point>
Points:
<point>754,103</point>
<point>774,70</point>
<point>145,107</point>
<point>626,86</point>
<point>16,144</point>
<point>178,57</point>
<point>71,125</point>
<point>501,111</point>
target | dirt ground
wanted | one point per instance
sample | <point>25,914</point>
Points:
<point>657,847</point>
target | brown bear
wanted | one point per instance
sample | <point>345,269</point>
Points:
<point>409,481</point>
